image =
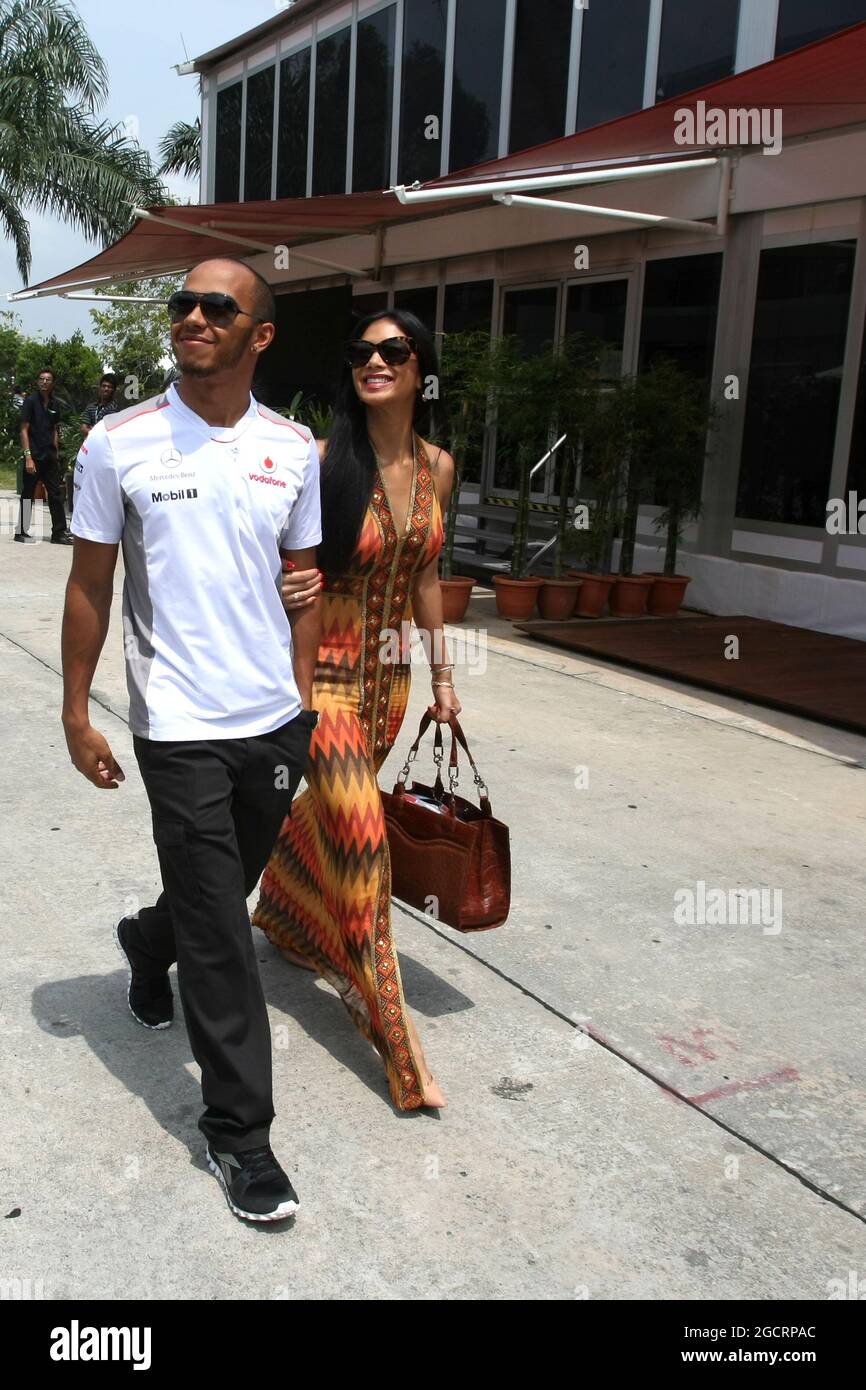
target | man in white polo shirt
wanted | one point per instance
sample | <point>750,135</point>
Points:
<point>204,488</point>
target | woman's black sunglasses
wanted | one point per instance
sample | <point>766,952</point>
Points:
<point>394,351</point>
<point>220,310</point>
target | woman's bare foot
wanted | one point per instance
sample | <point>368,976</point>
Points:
<point>294,958</point>
<point>429,1088</point>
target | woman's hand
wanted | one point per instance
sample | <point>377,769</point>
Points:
<point>446,704</point>
<point>299,588</point>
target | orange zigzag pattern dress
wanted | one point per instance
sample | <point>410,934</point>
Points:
<point>326,892</point>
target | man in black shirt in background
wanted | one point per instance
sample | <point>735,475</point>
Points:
<point>40,440</point>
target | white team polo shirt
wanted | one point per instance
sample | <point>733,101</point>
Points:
<point>202,513</point>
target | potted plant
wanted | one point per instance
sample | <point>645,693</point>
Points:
<point>574,386</point>
<point>677,418</point>
<point>558,594</point>
<point>466,372</point>
<point>629,594</point>
<point>604,432</point>
<point>516,593</point>
<point>520,395</point>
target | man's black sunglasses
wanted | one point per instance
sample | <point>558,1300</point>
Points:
<point>220,310</point>
<point>394,351</point>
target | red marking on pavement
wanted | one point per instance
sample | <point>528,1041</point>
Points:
<point>773,1078</point>
<point>694,1044</point>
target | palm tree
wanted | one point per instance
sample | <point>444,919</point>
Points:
<point>56,155</point>
<point>180,149</point>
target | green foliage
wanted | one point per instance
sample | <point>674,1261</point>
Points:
<point>469,366</point>
<point>180,149</point>
<point>56,156</point>
<point>77,368</point>
<point>135,338</point>
<point>673,416</point>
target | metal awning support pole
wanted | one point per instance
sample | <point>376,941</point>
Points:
<point>112,298</point>
<point>232,237</point>
<point>538,184</point>
<point>197,229</point>
<point>724,196</point>
<point>652,219</point>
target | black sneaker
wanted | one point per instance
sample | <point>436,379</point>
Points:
<point>255,1185</point>
<point>150,1000</point>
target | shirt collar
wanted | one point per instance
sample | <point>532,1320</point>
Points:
<point>222,434</point>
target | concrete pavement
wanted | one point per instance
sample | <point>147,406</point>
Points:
<point>638,1107</point>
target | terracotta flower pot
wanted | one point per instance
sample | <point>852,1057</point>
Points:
<point>592,594</point>
<point>456,593</point>
<point>667,593</point>
<point>628,597</point>
<point>557,597</point>
<point>515,598</point>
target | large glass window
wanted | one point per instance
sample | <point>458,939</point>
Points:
<point>597,311</point>
<point>612,61</point>
<point>332,112</point>
<point>421,302</point>
<point>798,347</point>
<point>680,309</point>
<point>477,99</point>
<point>680,313</point>
<point>530,315</point>
<point>468,306</point>
<point>857,457</point>
<point>542,46</point>
<point>294,118</point>
<point>259,155</point>
<point>803,21</point>
<point>227,176</point>
<point>374,101</point>
<point>422,89</point>
<point>698,44</point>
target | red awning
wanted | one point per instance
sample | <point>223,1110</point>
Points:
<point>819,88</point>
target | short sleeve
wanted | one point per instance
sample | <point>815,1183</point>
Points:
<point>27,411</point>
<point>97,513</point>
<point>304,526</point>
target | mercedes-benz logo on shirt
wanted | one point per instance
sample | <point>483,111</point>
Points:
<point>171,458</point>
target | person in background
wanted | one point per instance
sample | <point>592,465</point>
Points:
<point>40,440</point>
<point>105,404</point>
<point>18,395</point>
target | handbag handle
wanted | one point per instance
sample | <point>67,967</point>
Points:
<point>438,755</point>
<point>457,736</point>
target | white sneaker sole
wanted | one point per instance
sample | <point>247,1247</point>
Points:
<point>154,1027</point>
<point>282,1211</point>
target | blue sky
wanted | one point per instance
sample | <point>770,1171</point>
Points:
<point>140,42</point>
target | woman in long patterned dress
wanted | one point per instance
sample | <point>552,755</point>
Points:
<point>326,893</point>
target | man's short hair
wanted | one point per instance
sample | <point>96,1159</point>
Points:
<point>46,371</point>
<point>112,380</point>
<point>264,305</point>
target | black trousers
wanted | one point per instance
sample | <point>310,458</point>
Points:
<point>217,808</point>
<point>47,472</point>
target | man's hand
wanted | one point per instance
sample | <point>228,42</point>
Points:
<point>29,464</point>
<point>91,754</point>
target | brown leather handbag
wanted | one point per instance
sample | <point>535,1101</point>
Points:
<point>449,858</point>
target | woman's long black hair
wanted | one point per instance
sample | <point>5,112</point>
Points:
<point>349,468</point>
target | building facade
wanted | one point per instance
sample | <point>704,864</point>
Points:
<point>344,96</point>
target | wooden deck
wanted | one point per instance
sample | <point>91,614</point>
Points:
<point>812,674</point>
